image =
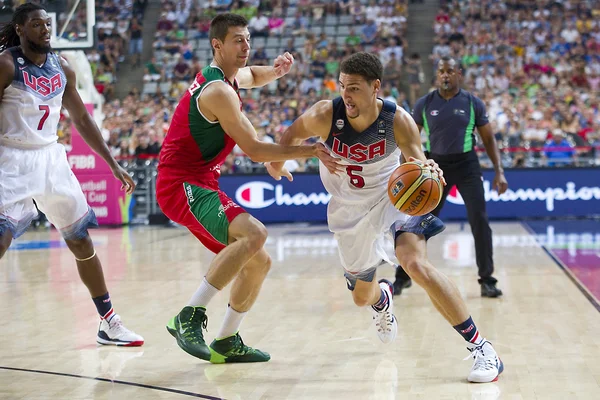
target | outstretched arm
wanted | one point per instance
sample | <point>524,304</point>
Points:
<point>88,129</point>
<point>219,102</point>
<point>258,76</point>
<point>315,122</point>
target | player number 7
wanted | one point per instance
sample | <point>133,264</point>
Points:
<point>46,109</point>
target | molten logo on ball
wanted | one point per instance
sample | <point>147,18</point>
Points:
<point>416,202</point>
<point>413,189</point>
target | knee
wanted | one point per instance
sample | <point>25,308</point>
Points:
<point>256,238</point>
<point>5,241</point>
<point>81,248</point>
<point>361,299</point>
<point>263,263</point>
<point>419,269</point>
<point>259,265</point>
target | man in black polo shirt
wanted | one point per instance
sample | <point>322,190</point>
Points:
<point>449,116</point>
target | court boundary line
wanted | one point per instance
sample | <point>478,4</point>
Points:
<point>582,288</point>
<point>142,385</point>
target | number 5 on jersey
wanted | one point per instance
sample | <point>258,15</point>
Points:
<point>355,179</point>
<point>46,109</point>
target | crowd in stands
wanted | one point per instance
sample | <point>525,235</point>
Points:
<point>318,33</point>
<point>535,63</point>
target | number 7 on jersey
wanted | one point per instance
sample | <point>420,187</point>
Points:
<point>46,109</point>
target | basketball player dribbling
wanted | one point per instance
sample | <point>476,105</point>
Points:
<point>370,135</point>
<point>206,125</point>
<point>35,84</point>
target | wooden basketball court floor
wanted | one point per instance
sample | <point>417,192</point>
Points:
<point>545,328</point>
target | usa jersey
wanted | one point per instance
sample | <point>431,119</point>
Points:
<point>30,108</point>
<point>369,157</point>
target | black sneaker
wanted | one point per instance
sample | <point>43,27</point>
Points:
<point>402,281</point>
<point>489,289</point>
<point>400,284</point>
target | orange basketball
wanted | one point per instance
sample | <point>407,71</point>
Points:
<point>414,190</point>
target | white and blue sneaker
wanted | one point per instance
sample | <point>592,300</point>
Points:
<point>113,332</point>
<point>487,365</point>
<point>385,321</point>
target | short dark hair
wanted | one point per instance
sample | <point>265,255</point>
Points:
<point>366,65</point>
<point>448,59</point>
<point>220,25</point>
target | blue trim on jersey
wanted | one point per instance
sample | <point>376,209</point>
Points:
<point>43,78</point>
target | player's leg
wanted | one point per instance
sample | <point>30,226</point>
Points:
<point>412,253</point>
<point>235,237</point>
<point>402,280</point>
<point>362,250</point>
<point>66,208</point>
<point>5,240</point>
<point>18,183</point>
<point>228,346</point>
<point>366,291</point>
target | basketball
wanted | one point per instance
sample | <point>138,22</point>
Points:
<point>414,190</point>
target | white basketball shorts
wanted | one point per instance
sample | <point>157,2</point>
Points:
<point>42,175</point>
<point>361,233</point>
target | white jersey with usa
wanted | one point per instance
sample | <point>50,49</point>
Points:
<point>370,157</point>
<point>359,213</point>
<point>31,105</point>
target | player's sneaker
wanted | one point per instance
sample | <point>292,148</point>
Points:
<point>113,332</point>
<point>487,365</point>
<point>385,321</point>
<point>233,350</point>
<point>187,327</point>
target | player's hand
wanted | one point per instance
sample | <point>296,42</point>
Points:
<point>283,64</point>
<point>433,166</point>
<point>500,183</point>
<point>127,183</point>
<point>332,164</point>
<point>277,173</point>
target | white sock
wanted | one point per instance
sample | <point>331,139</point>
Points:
<point>477,339</point>
<point>231,323</point>
<point>203,295</point>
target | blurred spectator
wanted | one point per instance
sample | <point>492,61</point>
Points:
<point>558,151</point>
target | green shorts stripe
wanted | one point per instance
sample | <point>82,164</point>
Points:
<point>206,206</point>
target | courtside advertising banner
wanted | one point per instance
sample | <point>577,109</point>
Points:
<point>102,190</point>
<point>532,193</point>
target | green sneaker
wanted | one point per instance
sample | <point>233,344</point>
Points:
<point>187,327</point>
<point>233,350</point>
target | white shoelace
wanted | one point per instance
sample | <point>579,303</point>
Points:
<point>482,362</point>
<point>117,327</point>
<point>384,321</point>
